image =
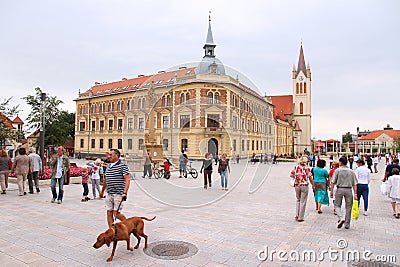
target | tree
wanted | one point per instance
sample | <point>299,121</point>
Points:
<point>347,138</point>
<point>6,131</point>
<point>51,110</point>
<point>60,129</point>
<point>396,144</point>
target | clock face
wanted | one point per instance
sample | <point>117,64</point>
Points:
<point>301,78</point>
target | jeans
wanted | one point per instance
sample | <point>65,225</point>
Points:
<point>33,176</point>
<point>363,190</point>
<point>95,185</point>
<point>224,179</point>
<point>85,189</point>
<point>60,187</point>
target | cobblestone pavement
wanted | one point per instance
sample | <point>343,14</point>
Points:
<point>229,228</point>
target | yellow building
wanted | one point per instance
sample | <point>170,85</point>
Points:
<point>196,109</point>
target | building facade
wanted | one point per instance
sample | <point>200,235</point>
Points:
<point>195,109</point>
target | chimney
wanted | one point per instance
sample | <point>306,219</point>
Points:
<point>124,79</point>
<point>140,75</point>
<point>97,83</point>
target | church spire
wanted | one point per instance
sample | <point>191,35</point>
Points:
<point>209,45</point>
<point>301,64</point>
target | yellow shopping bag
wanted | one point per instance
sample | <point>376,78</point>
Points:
<point>355,212</point>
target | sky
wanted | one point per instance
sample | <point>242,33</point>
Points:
<point>352,47</point>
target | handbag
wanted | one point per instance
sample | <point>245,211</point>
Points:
<point>384,189</point>
<point>292,181</point>
<point>355,212</point>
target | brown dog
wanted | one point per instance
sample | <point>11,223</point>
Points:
<point>122,231</point>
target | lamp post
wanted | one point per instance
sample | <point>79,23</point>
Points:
<point>42,126</point>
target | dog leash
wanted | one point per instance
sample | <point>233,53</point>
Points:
<point>115,218</point>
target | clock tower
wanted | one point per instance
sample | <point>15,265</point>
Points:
<point>301,78</point>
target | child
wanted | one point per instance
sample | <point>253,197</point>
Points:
<point>85,179</point>
<point>96,171</point>
<point>166,166</point>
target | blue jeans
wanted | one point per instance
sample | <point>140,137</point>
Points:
<point>85,189</point>
<point>60,187</point>
<point>224,179</point>
<point>363,190</point>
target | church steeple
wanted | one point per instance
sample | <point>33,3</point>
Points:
<point>209,45</point>
<point>301,66</point>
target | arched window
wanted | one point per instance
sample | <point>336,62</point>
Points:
<point>301,88</point>
<point>301,107</point>
<point>305,88</point>
<point>163,103</point>
<point>128,104</point>
<point>143,102</point>
<point>216,98</point>
<point>122,105</point>
<point>210,98</point>
<point>118,106</point>
<point>297,88</point>
<point>112,106</point>
<point>109,107</point>
<point>187,98</point>
<point>94,108</point>
<point>182,98</point>
<point>168,100</point>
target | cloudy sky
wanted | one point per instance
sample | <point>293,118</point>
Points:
<point>353,48</point>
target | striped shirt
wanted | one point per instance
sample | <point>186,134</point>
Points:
<point>115,177</point>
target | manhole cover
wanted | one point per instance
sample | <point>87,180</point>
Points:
<point>371,264</point>
<point>171,250</point>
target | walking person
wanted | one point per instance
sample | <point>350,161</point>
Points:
<point>85,180</point>
<point>207,166</point>
<point>147,166</point>
<point>394,192</point>
<point>330,161</point>
<point>303,177</point>
<point>59,163</point>
<point>183,160</point>
<point>335,165</point>
<point>345,179</point>
<point>321,182</point>
<point>117,183</point>
<point>364,178</point>
<point>237,158</point>
<point>223,169</point>
<point>389,168</point>
<point>36,162</point>
<point>22,167</point>
<point>351,160</point>
<point>5,163</point>
<point>369,163</point>
<point>96,171</point>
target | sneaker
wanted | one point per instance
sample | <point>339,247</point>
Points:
<point>365,213</point>
<point>53,200</point>
<point>59,202</point>
<point>30,192</point>
<point>37,189</point>
<point>347,227</point>
<point>340,224</point>
<point>3,193</point>
<point>25,193</point>
<point>83,200</point>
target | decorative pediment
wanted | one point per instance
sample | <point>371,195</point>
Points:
<point>183,108</point>
<point>213,109</point>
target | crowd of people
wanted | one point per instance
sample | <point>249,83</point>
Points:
<point>342,183</point>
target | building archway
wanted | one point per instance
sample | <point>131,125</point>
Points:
<point>213,146</point>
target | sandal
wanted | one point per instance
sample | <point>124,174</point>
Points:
<point>320,211</point>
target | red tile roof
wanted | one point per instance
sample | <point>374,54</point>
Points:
<point>375,134</point>
<point>283,105</point>
<point>7,122</point>
<point>17,120</point>
<point>159,79</point>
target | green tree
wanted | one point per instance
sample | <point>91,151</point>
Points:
<point>396,144</point>
<point>7,133</point>
<point>347,138</point>
<point>60,129</point>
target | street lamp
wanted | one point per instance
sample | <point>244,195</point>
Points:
<point>43,99</point>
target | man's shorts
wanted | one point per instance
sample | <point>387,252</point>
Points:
<point>112,202</point>
<point>395,200</point>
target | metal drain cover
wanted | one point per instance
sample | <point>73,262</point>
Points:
<point>371,264</point>
<point>171,250</point>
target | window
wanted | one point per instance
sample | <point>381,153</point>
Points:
<point>216,98</point>
<point>257,145</point>
<point>119,124</point>
<point>248,144</point>
<point>182,98</point>
<point>234,122</point>
<point>93,143</point>
<point>213,120</point>
<point>187,98</point>
<point>168,100</point>
<point>101,145</point>
<point>252,144</point>
<point>112,106</point>
<point>297,88</point>
<point>242,124</point>
<point>301,107</point>
<point>94,108</point>
<point>110,124</point>
<point>305,88</point>
<point>301,88</point>
<point>269,144</point>
<point>185,121</point>
<point>130,123</point>
<point>82,142</point>
<point>82,126</point>
<point>163,101</point>
<point>184,144</point>
<point>210,98</point>
<point>119,106</point>
<point>101,125</point>
<point>110,145</point>
<point>109,107</point>
<point>165,144</point>
<point>93,125</point>
<point>234,145</point>
<point>141,123</point>
<point>242,145</point>
<point>141,144</point>
<point>269,129</point>
<point>122,105</point>
<point>130,144</point>
<point>119,143</point>
<point>165,122</point>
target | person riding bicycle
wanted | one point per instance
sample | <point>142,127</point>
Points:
<point>166,165</point>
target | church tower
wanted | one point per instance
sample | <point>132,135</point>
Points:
<point>302,104</point>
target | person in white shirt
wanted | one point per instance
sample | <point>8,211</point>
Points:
<point>394,191</point>
<point>364,178</point>
<point>375,160</point>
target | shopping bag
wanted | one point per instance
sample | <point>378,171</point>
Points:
<point>384,190</point>
<point>292,182</point>
<point>355,212</point>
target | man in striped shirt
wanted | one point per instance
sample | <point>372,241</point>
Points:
<point>117,182</point>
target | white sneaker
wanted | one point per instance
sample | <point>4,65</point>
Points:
<point>53,200</point>
<point>365,213</point>
<point>59,202</point>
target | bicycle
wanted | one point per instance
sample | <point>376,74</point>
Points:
<point>192,171</point>
<point>156,169</point>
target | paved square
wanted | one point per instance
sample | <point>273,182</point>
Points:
<point>229,228</point>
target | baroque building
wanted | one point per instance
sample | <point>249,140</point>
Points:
<point>196,109</point>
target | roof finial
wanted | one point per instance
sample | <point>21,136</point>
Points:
<point>209,16</point>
